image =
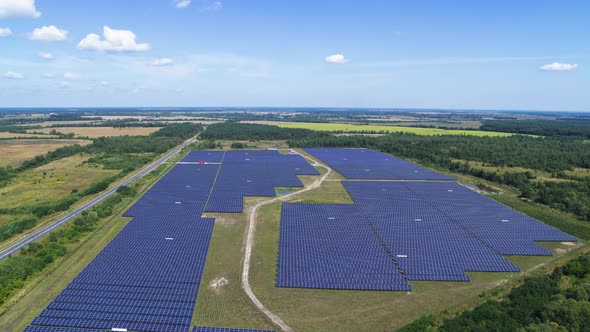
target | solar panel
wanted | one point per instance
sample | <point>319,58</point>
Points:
<point>331,246</point>
<point>369,164</point>
<point>147,278</point>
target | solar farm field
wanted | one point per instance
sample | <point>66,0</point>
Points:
<point>375,246</point>
<point>344,127</point>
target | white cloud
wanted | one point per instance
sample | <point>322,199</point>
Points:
<point>46,55</point>
<point>114,41</point>
<point>336,58</point>
<point>49,33</point>
<point>5,32</point>
<point>162,62</point>
<point>556,66</point>
<point>71,76</point>
<point>12,75</point>
<point>48,76</point>
<point>18,8</point>
<point>213,6</point>
<point>182,3</point>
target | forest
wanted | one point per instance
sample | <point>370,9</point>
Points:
<point>559,127</point>
<point>556,302</point>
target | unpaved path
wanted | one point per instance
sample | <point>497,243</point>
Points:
<point>250,243</point>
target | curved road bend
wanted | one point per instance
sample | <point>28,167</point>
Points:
<point>250,244</point>
<point>39,233</point>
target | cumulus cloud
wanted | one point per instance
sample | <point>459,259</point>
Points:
<point>18,8</point>
<point>46,55</point>
<point>162,62</point>
<point>114,41</point>
<point>49,33</point>
<point>5,32</point>
<point>336,58</point>
<point>71,76</point>
<point>556,66</point>
<point>182,3</point>
<point>13,75</point>
<point>48,76</point>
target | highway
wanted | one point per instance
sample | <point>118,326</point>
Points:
<point>46,229</point>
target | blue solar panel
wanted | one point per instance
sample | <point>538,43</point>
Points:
<point>147,278</point>
<point>254,173</point>
<point>214,156</point>
<point>332,246</point>
<point>506,230</point>
<point>426,244</point>
<point>369,164</point>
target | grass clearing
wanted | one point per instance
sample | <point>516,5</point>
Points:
<point>51,182</point>
<point>94,132</point>
<point>14,152</point>
<point>390,129</point>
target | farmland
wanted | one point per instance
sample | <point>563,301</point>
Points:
<point>14,152</point>
<point>342,127</point>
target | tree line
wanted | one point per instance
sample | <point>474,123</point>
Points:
<point>556,302</point>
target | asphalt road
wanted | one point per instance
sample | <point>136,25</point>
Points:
<point>39,233</point>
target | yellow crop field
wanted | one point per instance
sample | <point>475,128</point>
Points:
<point>389,129</point>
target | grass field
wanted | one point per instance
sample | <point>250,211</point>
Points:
<point>93,132</point>
<point>391,129</point>
<point>51,182</point>
<point>14,152</point>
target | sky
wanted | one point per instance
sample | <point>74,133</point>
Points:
<point>500,54</point>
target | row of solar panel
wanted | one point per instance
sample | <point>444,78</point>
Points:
<point>369,164</point>
<point>147,278</point>
<point>254,173</point>
<point>412,226</point>
<point>194,329</point>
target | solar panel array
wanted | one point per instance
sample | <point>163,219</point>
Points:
<point>331,246</point>
<point>504,229</point>
<point>426,244</point>
<point>426,230</point>
<point>211,156</point>
<point>254,173</point>
<point>369,164</point>
<point>147,278</point>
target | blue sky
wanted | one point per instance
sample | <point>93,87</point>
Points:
<point>415,54</point>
